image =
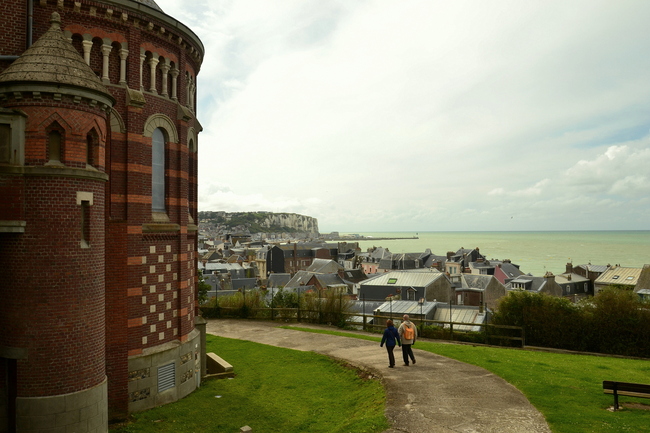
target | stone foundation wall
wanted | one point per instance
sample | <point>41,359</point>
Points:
<point>145,373</point>
<point>82,412</point>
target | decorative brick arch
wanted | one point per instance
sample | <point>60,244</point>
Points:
<point>56,117</point>
<point>90,33</point>
<point>117,123</point>
<point>192,143</point>
<point>99,128</point>
<point>160,121</point>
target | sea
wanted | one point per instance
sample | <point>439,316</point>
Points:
<point>536,252</point>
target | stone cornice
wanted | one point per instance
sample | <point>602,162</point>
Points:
<point>161,228</point>
<point>169,21</point>
<point>53,171</point>
<point>35,90</point>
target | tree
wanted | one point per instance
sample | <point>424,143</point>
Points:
<point>203,289</point>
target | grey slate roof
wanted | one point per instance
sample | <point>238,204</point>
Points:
<point>462,314</point>
<point>278,280</point>
<point>574,278</point>
<point>399,308</point>
<point>511,270</point>
<point>643,285</point>
<point>152,4</point>
<point>324,266</point>
<point>300,278</point>
<point>420,278</point>
<point>354,275</point>
<point>326,280</point>
<point>594,268</point>
<point>53,60</point>
<point>479,282</point>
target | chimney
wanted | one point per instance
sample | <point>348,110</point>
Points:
<point>549,276</point>
<point>569,268</point>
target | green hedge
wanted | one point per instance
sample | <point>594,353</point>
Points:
<point>318,306</point>
<point>613,322</point>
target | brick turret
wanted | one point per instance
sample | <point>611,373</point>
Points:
<point>98,171</point>
<point>54,305</point>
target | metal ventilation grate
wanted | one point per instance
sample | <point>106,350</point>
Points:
<point>166,377</point>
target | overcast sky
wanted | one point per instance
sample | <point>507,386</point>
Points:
<point>426,115</point>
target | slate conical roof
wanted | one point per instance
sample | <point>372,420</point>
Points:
<point>52,59</point>
<point>150,3</point>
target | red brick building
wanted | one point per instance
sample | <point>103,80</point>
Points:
<point>98,203</point>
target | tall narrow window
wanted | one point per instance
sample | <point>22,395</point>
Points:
<point>54,146</point>
<point>91,141</point>
<point>190,180</point>
<point>84,201</point>
<point>85,224</point>
<point>158,171</point>
<point>5,143</point>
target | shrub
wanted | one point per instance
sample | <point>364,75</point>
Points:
<point>326,306</point>
<point>245,304</point>
<point>614,322</point>
<point>620,323</point>
<point>284,299</point>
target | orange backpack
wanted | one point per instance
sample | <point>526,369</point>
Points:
<point>409,333</point>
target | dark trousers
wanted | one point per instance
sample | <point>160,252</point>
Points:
<point>391,356</point>
<point>407,353</point>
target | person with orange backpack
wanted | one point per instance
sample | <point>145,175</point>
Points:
<point>408,332</point>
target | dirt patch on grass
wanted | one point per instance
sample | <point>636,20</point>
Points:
<point>361,372</point>
<point>642,406</point>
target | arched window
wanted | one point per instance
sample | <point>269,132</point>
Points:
<point>158,170</point>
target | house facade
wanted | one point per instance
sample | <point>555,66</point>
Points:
<point>479,290</point>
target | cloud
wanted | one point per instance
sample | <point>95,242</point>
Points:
<point>620,170</point>
<point>425,114</point>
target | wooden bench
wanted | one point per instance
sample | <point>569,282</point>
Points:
<point>625,388</point>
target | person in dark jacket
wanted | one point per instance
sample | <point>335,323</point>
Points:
<point>391,337</point>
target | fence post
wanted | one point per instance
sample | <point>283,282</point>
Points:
<point>244,309</point>
<point>487,320</point>
<point>320,313</point>
<point>272,318</point>
<point>298,289</point>
<point>363,311</point>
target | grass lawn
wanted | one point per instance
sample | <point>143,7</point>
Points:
<point>274,390</point>
<point>565,388</point>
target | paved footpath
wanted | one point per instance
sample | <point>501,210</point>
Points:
<point>437,394</point>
